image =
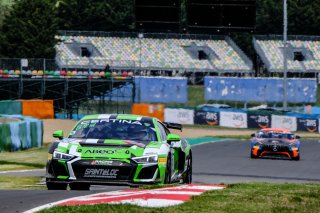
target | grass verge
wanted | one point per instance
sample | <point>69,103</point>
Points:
<point>34,158</point>
<point>12,182</point>
<point>248,197</point>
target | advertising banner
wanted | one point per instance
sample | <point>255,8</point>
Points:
<point>279,121</point>
<point>233,119</point>
<point>207,118</point>
<point>307,124</point>
<point>259,121</point>
<point>44,108</point>
<point>179,115</point>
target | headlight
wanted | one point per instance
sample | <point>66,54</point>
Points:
<point>146,159</point>
<point>61,156</point>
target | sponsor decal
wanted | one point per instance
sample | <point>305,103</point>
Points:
<point>183,116</point>
<point>212,118</point>
<point>162,160</point>
<point>107,152</point>
<point>275,148</point>
<point>100,151</point>
<point>49,156</point>
<point>150,153</point>
<point>262,121</point>
<point>101,173</point>
<point>287,122</point>
<point>310,125</point>
<point>259,121</point>
<point>101,162</point>
<point>238,120</point>
<point>87,122</point>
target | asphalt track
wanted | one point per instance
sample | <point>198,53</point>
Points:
<point>218,162</point>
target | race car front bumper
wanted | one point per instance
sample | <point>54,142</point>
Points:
<point>102,172</point>
<point>278,152</point>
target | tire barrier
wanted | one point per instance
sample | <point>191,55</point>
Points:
<point>20,132</point>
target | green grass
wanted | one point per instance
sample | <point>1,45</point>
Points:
<point>12,182</point>
<point>252,197</point>
<point>27,159</point>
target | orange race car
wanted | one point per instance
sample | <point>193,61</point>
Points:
<point>275,143</point>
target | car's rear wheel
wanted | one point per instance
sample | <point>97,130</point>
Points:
<point>167,179</point>
<point>79,186</point>
<point>56,186</point>
<point>188,176</point>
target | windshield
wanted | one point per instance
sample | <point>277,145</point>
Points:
<point>117,129</point>
<point>279,135</point>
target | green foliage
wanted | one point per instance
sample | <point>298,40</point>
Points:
<point>303,17</point>
<point>29,29</point>
<point>95,15</point>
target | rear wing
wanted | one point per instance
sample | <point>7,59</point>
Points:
<point>173,126</point>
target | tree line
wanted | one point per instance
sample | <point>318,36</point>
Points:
<point>28,28</point>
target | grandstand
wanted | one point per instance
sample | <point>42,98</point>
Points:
<point>135,51</point>
<point>303,53</point>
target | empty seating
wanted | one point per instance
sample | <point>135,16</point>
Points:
<point>152,53</point>
<point>270,50</point>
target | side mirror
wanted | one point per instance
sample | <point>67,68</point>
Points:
<point>58,134</point>
<point>173,137</point>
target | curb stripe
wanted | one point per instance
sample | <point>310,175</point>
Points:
<point>162,197</point>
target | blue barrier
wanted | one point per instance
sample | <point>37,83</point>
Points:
<point>259,89</point>
<point>161,90</point>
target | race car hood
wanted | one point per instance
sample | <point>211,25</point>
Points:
<point>94,148</point>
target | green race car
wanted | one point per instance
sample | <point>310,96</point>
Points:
<point>118,149</point>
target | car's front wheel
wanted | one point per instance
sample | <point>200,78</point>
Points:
<point>296,158</point>
<point>252,155</point>
<point>56,186</point>
<point>188,176</point>
<point>79,186</point>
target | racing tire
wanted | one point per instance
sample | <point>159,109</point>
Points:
<point>79,186</point>
<point>296,158</point>
<point>167,178</point>
<point>56,186</point>
<point>252,156</point>
<point>187,179</point>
